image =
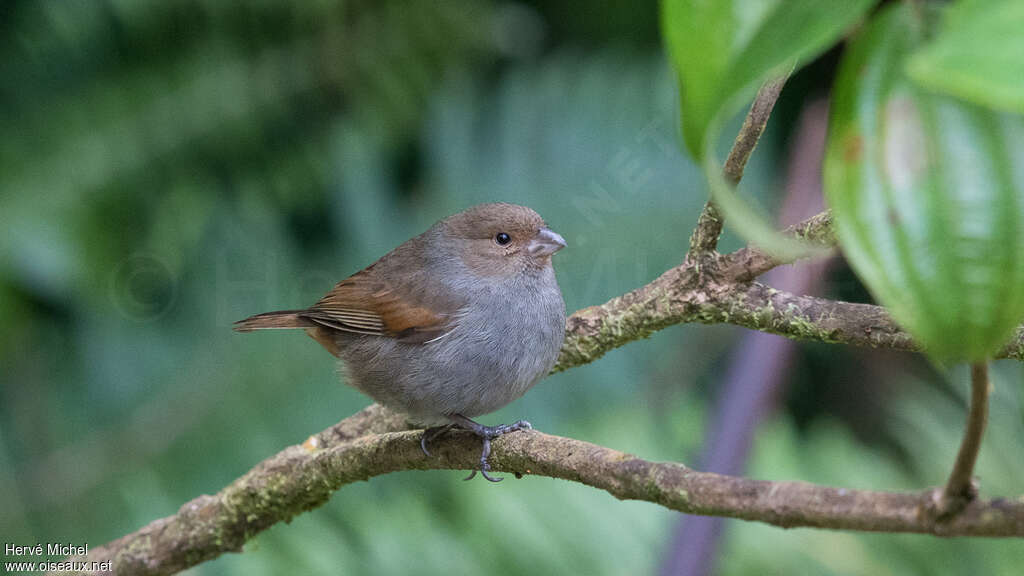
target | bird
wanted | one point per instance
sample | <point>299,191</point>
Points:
<point>452,324</point>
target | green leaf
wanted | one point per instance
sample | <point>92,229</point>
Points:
<point>978,55</point>
<point>699,37</point>
<point>928,195</point>
<point>722,51</point>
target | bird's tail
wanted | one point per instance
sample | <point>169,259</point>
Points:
<point>274,320</point>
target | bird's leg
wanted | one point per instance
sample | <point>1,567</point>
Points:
<point>430,434</point>
<point>487,433</point>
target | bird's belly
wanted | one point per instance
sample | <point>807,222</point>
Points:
<point>476,369</point>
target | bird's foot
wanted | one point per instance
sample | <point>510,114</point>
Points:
<point>431,434</point>
<point>487,433</point>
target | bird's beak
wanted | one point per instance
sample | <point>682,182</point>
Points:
<point>545,243</point>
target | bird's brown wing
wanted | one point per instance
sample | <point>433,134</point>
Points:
<point>366,304</point>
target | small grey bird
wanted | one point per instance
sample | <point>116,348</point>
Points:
<point>454,323</point>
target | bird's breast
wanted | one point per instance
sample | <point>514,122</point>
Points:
<point>518,331</point>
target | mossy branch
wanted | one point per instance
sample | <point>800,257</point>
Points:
<point>375,442</point>
<point>718,290</point>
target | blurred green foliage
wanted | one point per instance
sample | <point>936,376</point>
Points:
<point>167,168</point>
<point>976,55</point>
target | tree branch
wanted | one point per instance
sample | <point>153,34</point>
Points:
<point>303,477</point>
<point>705,235</point>
<point>961,488</point>
<point>709,293</point>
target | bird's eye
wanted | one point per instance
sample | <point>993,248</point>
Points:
<point>501,238</point>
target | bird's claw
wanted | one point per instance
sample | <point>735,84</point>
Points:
<point>486,434</point>
<point>432,433</point>
<point>484,465</point>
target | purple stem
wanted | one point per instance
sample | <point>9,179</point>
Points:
<point>758,371</point>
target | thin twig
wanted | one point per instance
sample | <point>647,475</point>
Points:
<point>709,224</point>
<point>750,262</point>
<point>753,126</point>
<point>961,488</point>
<point>301,478</point>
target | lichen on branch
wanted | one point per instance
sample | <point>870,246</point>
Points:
<point>376,441</point>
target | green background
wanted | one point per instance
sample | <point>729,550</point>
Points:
<point>168,168</point>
